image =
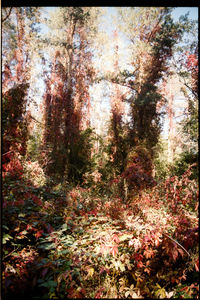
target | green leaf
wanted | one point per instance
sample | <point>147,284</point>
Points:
<point>125,237</point>
<point>121,266</point>
<point>47,246</point>
<point>49,284</point>
<point>64,227</point>
<point>35,223</point>
<point>24,232</point>
<point>6,237</point>
<point>66,251</point>
<point>21,215</point>
<point>5,227</point>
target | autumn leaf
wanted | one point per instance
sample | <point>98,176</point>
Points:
<point>174,254</point>
<point>127,294</point>
<point>169,295</point>
<point>39,234</point>
<point>147,270</point>
<point>28,227</point>
<point>197,266</point>
<point>138,257</point>
<point>116,238</point>
<point>181,252</point>
<point>136,243</point>
<point>114,250</point>
<point>99,293</point>
<point>90,272</point>
<point>140,264</point>
<point>149,253</point>
<point>103,249</point>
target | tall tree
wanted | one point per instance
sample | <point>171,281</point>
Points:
<point>17,25</point>
<point>67,89</point>
<point>19,34</point>
<point>152,42</point>
<point>117,149</point>
<point>186,65</point>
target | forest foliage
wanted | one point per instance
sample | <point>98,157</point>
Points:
<point>89,215</point>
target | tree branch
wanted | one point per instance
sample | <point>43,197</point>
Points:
<point>4,19</point>
<point>177,243</point>
<point>151,35</point>
<point>36,120</point>
<point>191,89</point>
<point>8,152</point>
<point>11,252</point>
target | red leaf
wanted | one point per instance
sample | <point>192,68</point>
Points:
<point>175,255</point>
<point>37,200</point>
<point>38,233</point>
<point>140,264</point>
<point>102,270</point>
<point>114,250</point>
<point>138,257</point>
<point>181,252</point>
<point>115,238</point>
<point>28,227</point>
<point>99,293</point>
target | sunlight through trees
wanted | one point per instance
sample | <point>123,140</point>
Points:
<point>100,153</point>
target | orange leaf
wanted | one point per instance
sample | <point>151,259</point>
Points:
<point>197,267</point>
<point>181,252</point>
<point>38,233</point>
<point>175,255</point>
<point>147,270</point>
<point>149,253</point>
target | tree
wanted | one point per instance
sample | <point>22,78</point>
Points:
<point>152,42</point>
<point>17,25</point>
<point>185,63</point>
<point>19,33</point>
<point>67,98</point>
<point>152,38</point>
<point>117,144</point>
<point>14,121</point>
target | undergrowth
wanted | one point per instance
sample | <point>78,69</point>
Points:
<point>74,242</point>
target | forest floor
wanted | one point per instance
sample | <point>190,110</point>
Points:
<point>86,246</point>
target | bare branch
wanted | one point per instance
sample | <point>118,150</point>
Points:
<point>4,19</point>
<point>7,152</point>
<point>177,243</point>
<point>36,120</point>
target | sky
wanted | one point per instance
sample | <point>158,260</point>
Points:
<point>176,12</point>
<point>193,12</point>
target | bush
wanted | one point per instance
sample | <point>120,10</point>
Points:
<point>34,173</point>
<point>185,160</point>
